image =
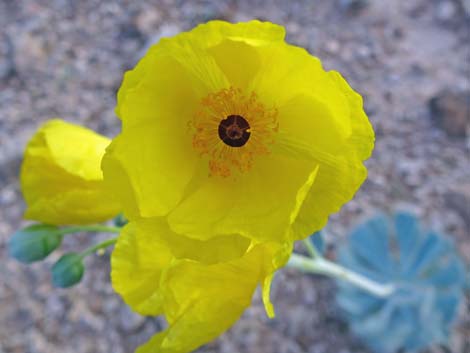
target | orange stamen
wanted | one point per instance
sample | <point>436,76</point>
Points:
<point>250,120</point>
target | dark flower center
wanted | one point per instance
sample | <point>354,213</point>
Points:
<point>234,131</point>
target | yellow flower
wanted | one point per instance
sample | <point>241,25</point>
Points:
<point>61,179</point>
<point>233,145</point>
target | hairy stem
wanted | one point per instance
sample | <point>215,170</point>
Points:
<point>92,228</point>
<point>312,250</point>
<point>320,265</point>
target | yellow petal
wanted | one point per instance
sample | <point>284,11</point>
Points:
<point>61,179</point>
<point>147,247</point>
<point>137,263</point>
<point>168,83</point>
<point>157,101</point>
<point>148,167</point>
<point>362,135</point>
<point>235,47</point>
<point>341,173</point>
<point>281,254</point>
<point>185,66</point>
<point>203,301</point>
<point>231,56</point>
<point>254,33</point>
<point>267,296</point>
<point>287,72</point>
<point>220,248</point>
<point>320,119</point>
<point>259,205</point>
<point>199,295</point>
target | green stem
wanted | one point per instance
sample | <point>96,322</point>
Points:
<point>95,248</point>
<point>312,250</point>
<point>320,265</point>
<point>92,228</point>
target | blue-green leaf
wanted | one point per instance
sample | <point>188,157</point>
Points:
<point>429,275</point>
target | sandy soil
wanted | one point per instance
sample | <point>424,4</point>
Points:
<point>64,58</point>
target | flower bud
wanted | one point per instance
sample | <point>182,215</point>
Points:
<point>61,178</point>
<point>120,220</point>
<point>68,271</point>
<point>34,243</point>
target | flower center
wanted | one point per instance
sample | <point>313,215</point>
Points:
<point>234,131</point>
<point>233,143</point>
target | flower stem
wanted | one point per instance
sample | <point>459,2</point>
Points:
<point>312,250</point>
<point>92,228</point>
<point>102,245</point>
<point>320,265</point>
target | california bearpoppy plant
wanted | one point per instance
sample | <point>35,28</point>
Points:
<point>234,144</point>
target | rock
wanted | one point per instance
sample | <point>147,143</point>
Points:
<point>451,112</point>
<point>7,63</point>
<point>458,199</point>
<point>129,321</point>
<point>31,54</point>
<point>466,7</point>
<point>354,5</point>
<point>162,32</point>
<point>147,21</point>
<point>445,11</point>
<point>332,46</point>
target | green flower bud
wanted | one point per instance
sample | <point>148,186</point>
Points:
<point>34,243</point>
<point>68,271</point>
<point>120,220</point>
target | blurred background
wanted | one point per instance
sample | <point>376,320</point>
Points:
<point>410,59</point>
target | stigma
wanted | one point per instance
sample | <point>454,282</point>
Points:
<point>234,131</point>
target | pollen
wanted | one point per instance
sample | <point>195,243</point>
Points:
<point>232,129</point>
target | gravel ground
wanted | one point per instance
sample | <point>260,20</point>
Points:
<point>65,58</point>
